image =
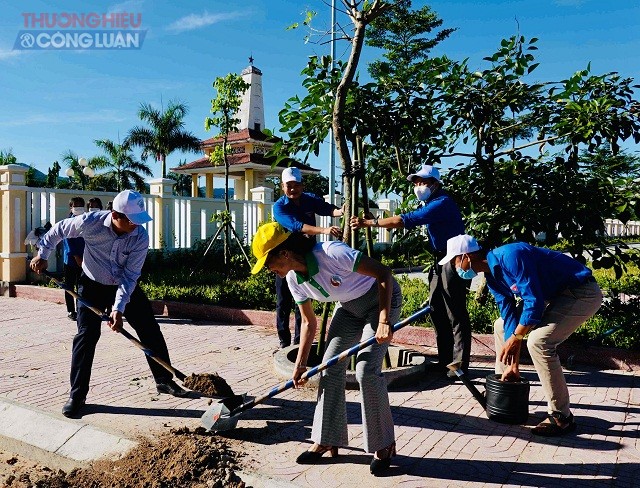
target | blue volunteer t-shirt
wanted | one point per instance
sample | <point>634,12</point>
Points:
<point>442,217</point>
<point>535,274</point>
<point>292,216</point>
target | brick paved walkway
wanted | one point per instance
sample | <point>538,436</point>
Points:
<point>443,436</point>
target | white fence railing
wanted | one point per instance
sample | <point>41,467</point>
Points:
<point>178,222</point>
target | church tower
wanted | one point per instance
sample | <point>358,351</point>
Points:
<point>251,112</point>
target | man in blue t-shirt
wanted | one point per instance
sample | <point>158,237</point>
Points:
<point>296,211</point>
<point>557,294</point>
<point>447,291</point>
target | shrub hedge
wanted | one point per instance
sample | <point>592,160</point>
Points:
<point>186,276</point>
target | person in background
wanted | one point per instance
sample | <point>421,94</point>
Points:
<point>558,294</point>
<point>369,302</point>
<point>109,206</point>
<point>447,291</point>
<point>94,205</point>
<point>72,250</point>
<point>116,246</point>
<point>296,211</point>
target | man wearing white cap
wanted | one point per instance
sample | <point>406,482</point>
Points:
<point>447,292</point>
<point>115,249</point>
<point>558,294</point>
<point>296,211</point>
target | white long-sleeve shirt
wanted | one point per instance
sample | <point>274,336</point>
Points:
<point>108,258</point>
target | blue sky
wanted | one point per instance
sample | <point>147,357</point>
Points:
<point>53,101</point>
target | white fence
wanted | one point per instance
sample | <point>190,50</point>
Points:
<point>186,219</point>
<point>178,222</point>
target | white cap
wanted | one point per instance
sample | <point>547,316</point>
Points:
<point>131,204</point>
<point>462,244</point>
<point>291,174</point>
<point>425,172</point>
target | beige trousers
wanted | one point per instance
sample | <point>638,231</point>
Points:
<point>562,316</point>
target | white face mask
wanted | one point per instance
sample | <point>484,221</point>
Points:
<point>77,211</point>
<point>422,192</point>
<point>94,209</point>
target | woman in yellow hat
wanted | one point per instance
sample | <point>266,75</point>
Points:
<point>369,301</point>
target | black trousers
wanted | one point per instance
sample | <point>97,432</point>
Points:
<point>71,278</point>
<point>284,304</point>
<point>448,299</point>
<point>138,313</point>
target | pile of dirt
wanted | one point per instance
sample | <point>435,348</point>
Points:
<point>178,459</point>
<point>209,384</point>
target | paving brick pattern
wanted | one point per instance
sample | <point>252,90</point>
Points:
<point>443,436</point>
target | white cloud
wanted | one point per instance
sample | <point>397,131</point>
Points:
<point>197,21</point>
<point>63,118</point>
<point>5,55</point>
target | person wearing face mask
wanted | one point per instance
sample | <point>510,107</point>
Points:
<point>557,295</point>
<point>94,205</point>
<point>447,291</point>
<point>72,250</point>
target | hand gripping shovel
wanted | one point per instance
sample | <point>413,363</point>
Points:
<point>224,414</point>
<point>148,352</point>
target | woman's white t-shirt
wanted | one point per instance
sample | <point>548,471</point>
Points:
<point>332,275</point>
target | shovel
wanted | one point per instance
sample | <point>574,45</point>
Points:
<point>224,414</point>
<point>148,352</point>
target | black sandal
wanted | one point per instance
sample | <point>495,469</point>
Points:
<point>550,427</point>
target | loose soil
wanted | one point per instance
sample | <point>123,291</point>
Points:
<point>181,458</point>
<point>209,384</point>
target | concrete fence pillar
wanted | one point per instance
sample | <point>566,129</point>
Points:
<point>161,230</point>
<point>264,196</point>
<point>13,198</point>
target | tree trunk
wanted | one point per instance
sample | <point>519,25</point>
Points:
<point>226,200</point>
<point>360,20</point>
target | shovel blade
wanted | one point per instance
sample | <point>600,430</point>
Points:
<point>218,417</point>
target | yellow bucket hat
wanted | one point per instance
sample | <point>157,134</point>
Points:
<point>267,237</point>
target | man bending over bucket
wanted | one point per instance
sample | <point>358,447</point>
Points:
<point>115,249</point>
<point>369,303</point>
<point>558,295</point>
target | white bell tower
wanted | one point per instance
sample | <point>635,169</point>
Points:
<point>251,112</point>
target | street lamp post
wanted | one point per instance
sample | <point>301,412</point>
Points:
<point>86,171</point>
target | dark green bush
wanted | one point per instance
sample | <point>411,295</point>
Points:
<point>167,276</point>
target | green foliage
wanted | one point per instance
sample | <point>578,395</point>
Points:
<point>123,172</point>
<point>183,183</point>
<point>7,157</point>
<point>52,175</point>
<point>225,106</point>
<point>482,313</point>
<point>616,324</point>
<point>163,134</point>
<point>414,293</point>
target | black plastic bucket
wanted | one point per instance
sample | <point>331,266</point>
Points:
<point>507,401</point>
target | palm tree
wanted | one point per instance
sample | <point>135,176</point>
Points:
<point>183,184</point>
<point>123,171</point>
<point>165,133</point>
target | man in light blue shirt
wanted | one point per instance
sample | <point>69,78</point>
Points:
<point>115,249</point>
